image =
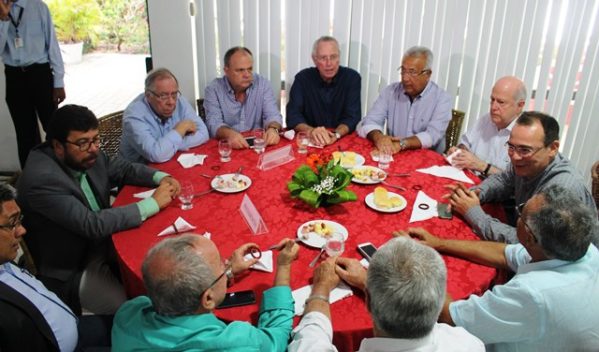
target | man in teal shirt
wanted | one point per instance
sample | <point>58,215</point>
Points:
<point>184,279</point>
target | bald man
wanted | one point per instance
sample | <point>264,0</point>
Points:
<point>483,146</point>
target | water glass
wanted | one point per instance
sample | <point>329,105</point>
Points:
<point>384,159</point>
<point>186,195</point>
<point>224,149</point>
<point>302,139</point>
<point>335,245</point>
<point>259,141</point>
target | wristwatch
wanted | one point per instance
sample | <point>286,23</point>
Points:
<point>402,144</point>
<point>337,135</point>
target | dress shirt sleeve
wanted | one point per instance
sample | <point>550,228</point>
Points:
<point>497,187</point>
<point>295,105</point>
<point>436,127</point>
<point>313,333</point>
<point>270,111</point>
<point>490,228</point>
<point>516,255</point>
<point>147,207</point>
<point>352,111</point>
<point>276,318</point>
<point>509,313</point>
<point>378,113</point>
<point>201,134</point>
<point>54,55</point>
<point>214,114</point>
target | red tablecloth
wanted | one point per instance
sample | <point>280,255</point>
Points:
<point>219,214</point>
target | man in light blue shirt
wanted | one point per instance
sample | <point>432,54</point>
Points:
<point>416,109</point>
<point>160,122</point>
<point>241,101</point>
<point>33,67</point>
<point>551,302</point>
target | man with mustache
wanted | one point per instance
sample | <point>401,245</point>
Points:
<point>416,109</point>
<point>64,193</point>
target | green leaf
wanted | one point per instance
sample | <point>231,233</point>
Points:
<point>342,196</point>
<point>310,197</point>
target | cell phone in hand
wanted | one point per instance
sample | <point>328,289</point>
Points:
<point>239,298</point>
<point>443,211</point>
<point>367,250</point>
<point>250,141</point>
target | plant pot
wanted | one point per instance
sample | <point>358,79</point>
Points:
<point>72,53</point>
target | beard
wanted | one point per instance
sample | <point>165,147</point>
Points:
<point>82,165</point>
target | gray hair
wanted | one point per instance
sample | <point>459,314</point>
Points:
<point>564,225</point>
<point>324,38</point>
<point>417,51</point>
<point>176,290</point>
<point>406,285</point>
<point>7,193</point>
<point>154,75</point>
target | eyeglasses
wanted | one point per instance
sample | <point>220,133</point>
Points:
<point>85,144</point>
<point>519,210</point>
<point>255,252</point>
<point>411,73</point>
<point>325,58</point>
<point>12,227</point>
<point>164,97</point>
<point>522,150</point>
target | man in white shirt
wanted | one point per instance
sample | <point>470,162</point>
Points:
<point>405,290</point>
<point>483,146</point>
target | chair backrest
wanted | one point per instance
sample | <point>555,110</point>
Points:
<point>25,260</point>
<point>111,128</point>
<point>201,110</point>
<point>595,177</point>
<point>452,134</point>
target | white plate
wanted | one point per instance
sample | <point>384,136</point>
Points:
<point>360,160</point>
<point>370,202</point>
<point>368,180</point>
<point>227,179</point>
<point>317,241</point>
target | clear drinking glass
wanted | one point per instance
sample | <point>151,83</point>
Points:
<point>224,149</point>
<point>259,141</point>
<point>186,195</point>
<point>384,159</point>
<point>335,245</point>
<point>302,139</point>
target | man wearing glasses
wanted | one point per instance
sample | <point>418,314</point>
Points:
<point>186,280</point>
<point>551,302</point>
<point>64,192</point>
<point>416,109</point>
<point>241,101</point>
<point>533,148</point>
<point>159,122</point>
<point>324,101</point>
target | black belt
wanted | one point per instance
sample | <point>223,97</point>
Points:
<point>32,67</point>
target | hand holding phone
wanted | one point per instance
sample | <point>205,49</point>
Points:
<point>250,141</point>
<point>443,211</point>
<point>367,250</point>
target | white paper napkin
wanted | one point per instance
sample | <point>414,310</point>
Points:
<point>446,172</point>
<point>188,160</point>
<point>289,134</point>
<point>315,145</point>
<point>301,294</point>
<point>265,262</point>
<point>144,194</point>
<point>450,157</point>
<point>419,214</point>
<point>179,226</point>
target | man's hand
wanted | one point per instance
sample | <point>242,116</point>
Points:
<point>388,143</point>
<point>237,260</point>
<point>461,199</point>
<point>451,150</point>
<point>321,136</point>
<point>186,127</point>
<point>164,194</point>
<point>58,95</point>
<point>467,160</point>
<point>5,9</point>
<point>271,136</point>
<point>325,278</point>
<point>237,141</point>
<point>288,252</point>
<point>421,234</point>
<point>352,272</point>
<point>173,182</point>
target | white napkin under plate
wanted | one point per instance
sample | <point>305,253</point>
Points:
<point>419,214</point>
<point>179,226</point>
<point>144,194</point>
<point>188,160</point>
<point>265,262</point>
<point>301,294</point>
<point>289,134</point>
<point>449,158</point>
<point>446,172</point>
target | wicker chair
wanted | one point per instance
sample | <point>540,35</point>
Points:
<point>452,134</point>
<point>201,110</point>
<point>595,177</point>
<point>111,128</point>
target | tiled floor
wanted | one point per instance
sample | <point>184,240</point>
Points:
<point>105,82</point>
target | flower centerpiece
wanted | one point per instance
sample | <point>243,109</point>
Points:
<point>321,182</point>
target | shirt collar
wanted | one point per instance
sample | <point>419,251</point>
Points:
<point>21,3</point>
<point>230,88</point>
<point>426,89</point>
<point>552,263</point>
<point>333,82</point>
<point>155,115</point>
<point>384,344</point>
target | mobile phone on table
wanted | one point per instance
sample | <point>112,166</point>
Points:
<point>367,250</point>
<point>443,211</point>
<point>239,298</point>
<point>250,140</point>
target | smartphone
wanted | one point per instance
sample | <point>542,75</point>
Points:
<point>367,250</point>
<point>443,211</point>
<point>250,140</point>
<point>239,298</point>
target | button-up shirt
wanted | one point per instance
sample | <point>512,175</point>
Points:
<point>487,142</point>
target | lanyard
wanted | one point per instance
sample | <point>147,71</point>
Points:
<point>16,24</point>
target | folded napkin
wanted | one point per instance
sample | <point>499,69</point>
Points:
<point>301,294</point>
<point>144,194</point>
<point>315,145</point>
<point>430,211</point>
<point>446,172</point>
<point>289,134</point>
<point>265,262</point>
<point>179,226</point>
<point>188,160</point>
<point>450,157</point>
<point>375,155</point>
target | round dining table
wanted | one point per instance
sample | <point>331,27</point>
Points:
<point>219,214</point>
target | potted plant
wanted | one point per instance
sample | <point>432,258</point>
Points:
<point>75,22</point>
